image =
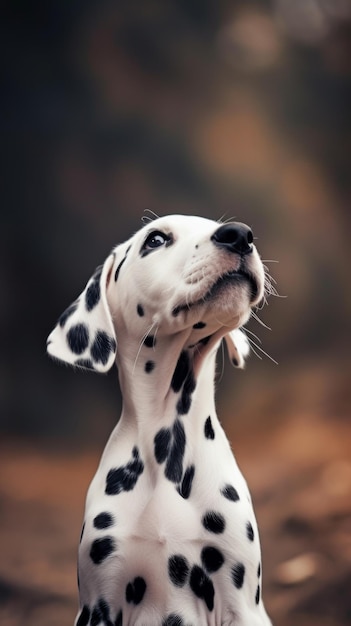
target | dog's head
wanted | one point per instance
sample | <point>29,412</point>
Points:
<point>178,274</point>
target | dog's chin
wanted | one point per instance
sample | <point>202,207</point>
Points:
<point>230,297</point>
<point>240,280</point>
<point>229,307</point>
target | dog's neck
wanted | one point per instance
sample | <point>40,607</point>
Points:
<point>165,379</point>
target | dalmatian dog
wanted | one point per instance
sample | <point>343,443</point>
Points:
<point>169,537</point>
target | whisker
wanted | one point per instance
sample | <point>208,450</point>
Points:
<point>222,362</point>
<point>269,282</point>
<point>255,316</point>
<point>149,218</point>
<point>254,351</point>
<point>221,219</point>
<point>252,343</point>
<point>269,279</point>
<point>277,295</point>
<point>142,343</point>
<point>246,330</point>
<point>228,220</point>
<point>269,286</point>
<point>272,291</point>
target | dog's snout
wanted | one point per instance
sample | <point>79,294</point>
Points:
<point>235,237</point>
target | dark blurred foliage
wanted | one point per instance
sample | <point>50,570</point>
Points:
<point>212,108</point>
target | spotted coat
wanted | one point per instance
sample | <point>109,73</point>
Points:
<point>169,535</point>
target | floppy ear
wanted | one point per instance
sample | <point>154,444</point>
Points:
<point>84,335</point>
<point>238,347</point>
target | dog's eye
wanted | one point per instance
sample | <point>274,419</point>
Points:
<point>155,240</point>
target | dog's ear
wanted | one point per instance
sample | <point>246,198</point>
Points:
<point>84,335</point>
<point>238,347</point>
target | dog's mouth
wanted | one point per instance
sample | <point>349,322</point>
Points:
<point>235,277</point>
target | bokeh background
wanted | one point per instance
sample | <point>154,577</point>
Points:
<point>221,108</point>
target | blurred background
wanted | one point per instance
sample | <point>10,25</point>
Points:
<point>220,108</point>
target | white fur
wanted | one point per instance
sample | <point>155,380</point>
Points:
<point>164,294</point>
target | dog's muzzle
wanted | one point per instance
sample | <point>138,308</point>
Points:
<point>237,238</point>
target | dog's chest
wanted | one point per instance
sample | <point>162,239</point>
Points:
<point>189,529</point>
<point>163,487</point>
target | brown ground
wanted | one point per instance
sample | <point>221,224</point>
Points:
<point>300,479</point>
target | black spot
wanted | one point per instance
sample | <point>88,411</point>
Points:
<point>170,445</point>
<point>214,522</point>
<point>150,341</point>
<point>96,617</point>
<point>184,402</point>
<point>105,612</point>
<point>84,617</point>
<point>101,549</point>
<point>209,432</point>
<point>190,383</point>
<point>67,313</point>
<point>149,366</point>
<point>176,311</point>
<point>235,362</point>
<point>119,619</point>
<point>135,591</point>
<point>140,310</point>
<point>230,493</point>
<point>162,443</point>
<point>249,531</point>
<point>238,574</point>
<point>199,325</point>
<point>124,478</point>
<point>259,570</point>
<point>129,592</point>
<point>212,559</point>
<point>202,586</point>
<point>103,520</point>
<point>258,594</point>
<point>178,570</point>
<point>181,371</point>
<point>78,338</point>
<point>86,363</point>
<point>174,464</point>
<point>92,295</point>
<point>102,346</point>
<point>173,620</point>
<point>185,488</point>
<point>135,452</point>
<point>82,533</point>
<point>101,613</point>
<point>118,268</point>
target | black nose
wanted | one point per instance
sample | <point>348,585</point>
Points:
<point>235,237</point>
